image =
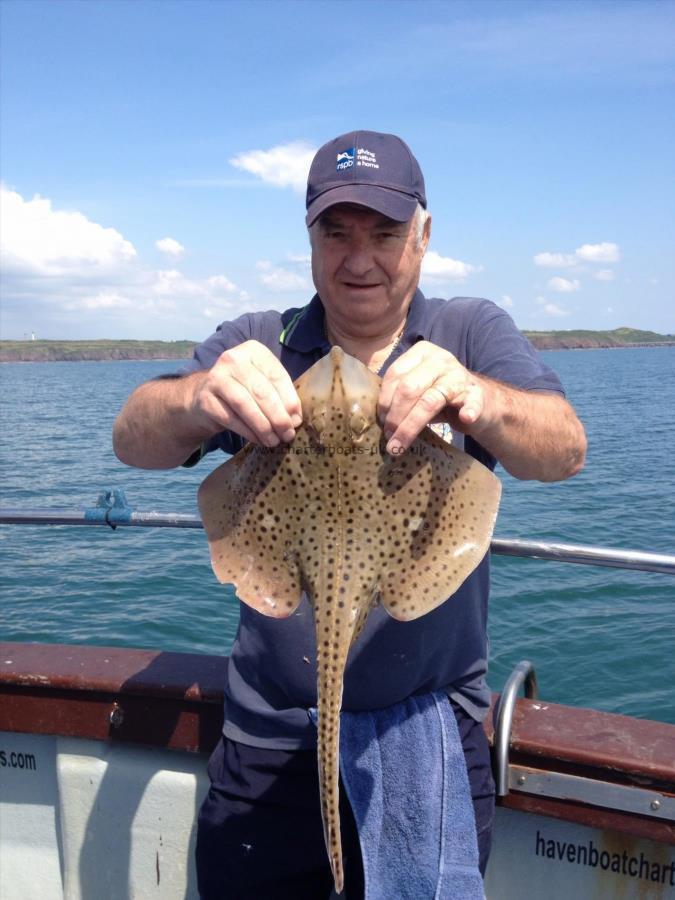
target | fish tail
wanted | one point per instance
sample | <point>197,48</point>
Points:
<point>329,701</point>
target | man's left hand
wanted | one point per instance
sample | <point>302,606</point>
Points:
<point>532,434</point>
<point>428,384</point>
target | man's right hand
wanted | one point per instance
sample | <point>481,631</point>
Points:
<point>248,391</point>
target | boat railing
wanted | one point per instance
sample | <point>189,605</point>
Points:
<point>522,674</point>
<point>113,511</point>
<point>632,798</point>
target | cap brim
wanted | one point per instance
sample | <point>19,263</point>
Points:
<point>393,204</point>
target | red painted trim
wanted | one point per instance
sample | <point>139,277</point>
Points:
<point>592,816</point>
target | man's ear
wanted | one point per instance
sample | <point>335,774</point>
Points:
<point>426,235</point>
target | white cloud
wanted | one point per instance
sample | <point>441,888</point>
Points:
<point>214,312</point>
<point>218,293</point>
<point>220,306</point>
<point>300,259</point>
<point>551,309</point>
<point>285,165</point>
<point>507,302</point>
<point>40,240</point>
<point>220,285</point>
<point>167,292</point>
<point>170,247</point>
<point>104,300</point>
<point>439,268</point>
<point>172,283</point>
<point>604,275</point>
<point>278,279</point>
<point>563,285</point>
<point>605,252</point>
<point>59,267</point>
<point>554,260</point>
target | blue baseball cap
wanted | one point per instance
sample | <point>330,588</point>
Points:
<point>367,168</point>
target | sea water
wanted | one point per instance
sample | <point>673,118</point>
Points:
<point>598,637</point>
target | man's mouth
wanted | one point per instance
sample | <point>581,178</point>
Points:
<point>356,286</point>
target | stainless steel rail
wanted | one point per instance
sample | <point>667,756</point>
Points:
<point>52,516</point>
<point>562,785</point>
<point>522,674</point>
<point>113,511</point>
<point>587,555</point>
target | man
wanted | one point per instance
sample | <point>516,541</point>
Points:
<point>460,364</point>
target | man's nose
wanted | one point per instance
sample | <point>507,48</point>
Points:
<point>359,259</point>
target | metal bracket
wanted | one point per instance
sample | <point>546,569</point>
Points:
<point>523,673</point>
<point>111,509</point>
<point>605,794</point>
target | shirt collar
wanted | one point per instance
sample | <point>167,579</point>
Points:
<point>305,329</point>
<point>414,329</point>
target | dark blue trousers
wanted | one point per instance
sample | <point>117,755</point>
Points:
<point>260,835</point>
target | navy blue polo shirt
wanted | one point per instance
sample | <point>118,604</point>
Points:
<point>271,677</point>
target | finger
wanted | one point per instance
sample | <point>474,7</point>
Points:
<point>261,375</point>
<point>238,401</point>
<point>219,412</point>
<point>427,407</point>
<point>288,396</point>
<point>270,403</point>
<point>236,425</point>
<point>398,370</point>
<point>414,372</point>
<point>473,406</point>
<point>407,391</point>
<point>466,406</point>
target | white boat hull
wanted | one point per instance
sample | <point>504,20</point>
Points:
<point>103,756</point>
<point>83,819</point>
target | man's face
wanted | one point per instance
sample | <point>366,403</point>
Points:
<point>365,267</point>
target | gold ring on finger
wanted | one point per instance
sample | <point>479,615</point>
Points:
<point>441,392</point>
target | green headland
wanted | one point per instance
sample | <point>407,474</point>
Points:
<point>579,339</point>
<point>77,351</point>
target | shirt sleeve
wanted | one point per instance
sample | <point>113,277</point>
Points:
<point>496,348</point>
<point>226,336</point>
<point>488,342</point>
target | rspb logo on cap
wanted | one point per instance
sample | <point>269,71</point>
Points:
<point>345,160</point>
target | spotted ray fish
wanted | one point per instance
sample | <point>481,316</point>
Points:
<point>332,514</point>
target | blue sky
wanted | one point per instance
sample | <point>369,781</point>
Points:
<point>153,155</point>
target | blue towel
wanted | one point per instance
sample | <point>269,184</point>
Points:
<point>404,771</point>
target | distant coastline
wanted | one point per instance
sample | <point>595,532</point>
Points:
<point>83,351</point>
<point>580,339</point>
<point>80,351</point>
